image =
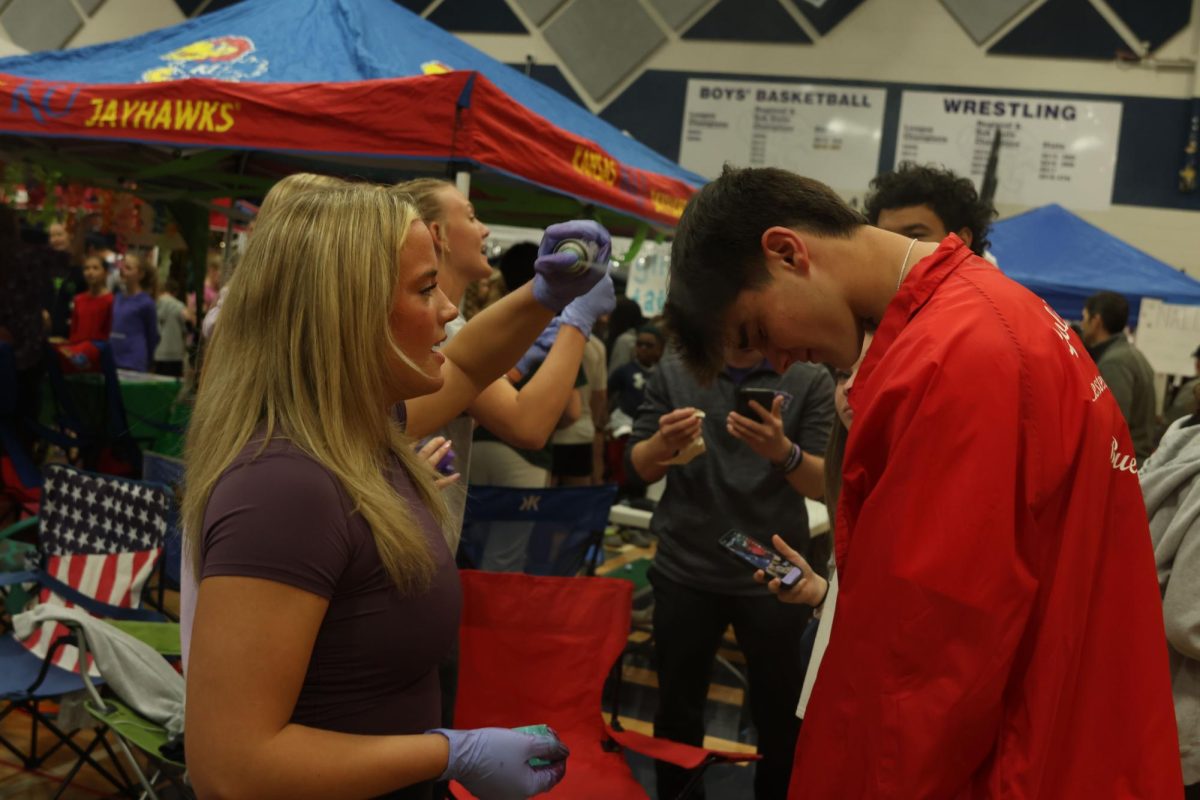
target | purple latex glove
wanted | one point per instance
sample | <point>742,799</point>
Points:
<point>494,762</point>
<point>583,311</point>
<point>537,351</point>
<point>556,283</point>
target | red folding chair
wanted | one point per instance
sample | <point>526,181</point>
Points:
<point>537,650</point>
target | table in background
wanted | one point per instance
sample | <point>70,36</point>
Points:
<point>147,398</point>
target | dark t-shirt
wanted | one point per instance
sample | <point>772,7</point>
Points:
<point>628,384</point>
<point>281,516</point>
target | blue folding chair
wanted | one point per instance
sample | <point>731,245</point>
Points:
<point>560,529</point>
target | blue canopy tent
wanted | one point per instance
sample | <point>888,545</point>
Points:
<point>1064,260</point>
<point>352,86</point>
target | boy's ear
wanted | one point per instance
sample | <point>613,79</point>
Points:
<point>785,248</point>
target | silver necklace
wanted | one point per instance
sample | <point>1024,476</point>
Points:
<point>904,264</point>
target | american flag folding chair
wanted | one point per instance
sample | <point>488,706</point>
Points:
<point>99,539</point>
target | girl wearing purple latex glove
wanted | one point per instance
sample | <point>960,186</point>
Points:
<point>493,763</point>
<point>580,314</point>
<point>527,417</point>
<point>558,280</point>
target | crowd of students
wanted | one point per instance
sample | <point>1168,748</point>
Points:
<point>984,618</point>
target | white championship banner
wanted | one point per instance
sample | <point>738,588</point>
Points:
<point>1052,150</point>
<point>823,131</point>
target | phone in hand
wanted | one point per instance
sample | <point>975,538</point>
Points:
<point>759,556</point>
<point>765,397</point>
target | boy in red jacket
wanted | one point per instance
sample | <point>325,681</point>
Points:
<point>998,631</point>
<point>91,315</point>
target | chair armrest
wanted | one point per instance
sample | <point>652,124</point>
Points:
<point>681,755</point>
<point>14,578</point>
<point>162,636</point>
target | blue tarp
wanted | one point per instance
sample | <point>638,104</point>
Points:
<point>1064,260</point>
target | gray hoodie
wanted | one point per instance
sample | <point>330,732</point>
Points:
<point>1171,485</point>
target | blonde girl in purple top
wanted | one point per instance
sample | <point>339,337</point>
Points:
<point>327,591</point>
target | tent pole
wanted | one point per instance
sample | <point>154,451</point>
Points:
<point>462,181</point>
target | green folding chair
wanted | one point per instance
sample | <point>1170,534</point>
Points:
<point>130,727</point>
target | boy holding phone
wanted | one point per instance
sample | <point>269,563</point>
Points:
<point>999,627</point>
<point>753,474</point>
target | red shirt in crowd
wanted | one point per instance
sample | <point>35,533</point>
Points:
<point>999,631</point>
<point>91,317</point>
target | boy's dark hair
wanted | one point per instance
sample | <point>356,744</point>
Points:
<point>717,251</point>
<point>952,198</point>
<point>1112,308</point>
<point>653,330</point>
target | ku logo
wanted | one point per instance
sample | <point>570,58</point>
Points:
<point>44,100</point>
<point>530,502</point>
<point>222,58</point>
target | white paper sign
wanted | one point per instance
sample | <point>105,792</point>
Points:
<point>1167,334</point>
<point>647,284</point>
<point>1051,150</point>
<point>827,132</point>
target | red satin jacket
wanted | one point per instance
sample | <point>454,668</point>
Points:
<point>999,630</point>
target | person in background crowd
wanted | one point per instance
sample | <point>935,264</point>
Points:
<point>1183,401</point>
<point>627,383</point>
<point>1171,486</point>
<point>134,334</point>
<point>92,311</point>
<point>66,279</point>
<point>928,204</point>
<point>578,455</point>
<point>752,477</point>
<point>988,490</point>
<point>623,325</point>
<point>212,279</point>
<point>173,319</point>
<point>307,502</point>
<point>1128,374</point>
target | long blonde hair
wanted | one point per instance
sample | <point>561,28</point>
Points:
<point>297,183</point>
<point>305,352</point>
<point>424,193</point>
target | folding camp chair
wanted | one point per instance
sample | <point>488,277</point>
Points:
<point>99,539</point>
<point>536,650</point>
<point>566,525</point>
<point>131,728</point>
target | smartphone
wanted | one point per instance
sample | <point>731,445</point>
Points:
<point>759,556</point>
<point>765,397</point>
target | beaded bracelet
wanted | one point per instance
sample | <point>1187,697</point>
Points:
<point>795,456</point>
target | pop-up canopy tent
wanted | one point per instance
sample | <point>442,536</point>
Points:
<point>215,105</point>
<point>1065,260</point>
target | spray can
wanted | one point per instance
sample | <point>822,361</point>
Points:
<point>585,250</point>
